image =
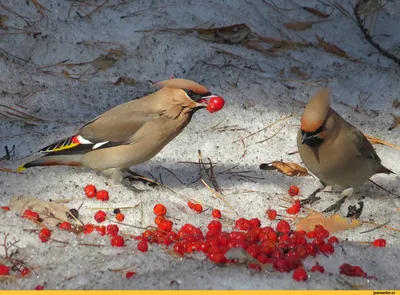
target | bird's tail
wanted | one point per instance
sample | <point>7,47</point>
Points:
<point>383,169</point>
<point>51,160</point>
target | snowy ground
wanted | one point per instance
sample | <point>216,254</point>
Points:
<point>259,89</point>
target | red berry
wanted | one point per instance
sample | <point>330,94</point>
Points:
<point>143,246</point>
<point>300,274</point>
<point>44,235</point>
<point>159,209</point>
<point>271,214</point>
<point>102,195</point>
<point>254,266</point>
<point>217,257</point>
<point>215,104</point>
<point>311,235</point>
<point>24,272</point>
<point>180,248</point>
<point>101,230</point>
<point>198,208</point>
<point>215,225</point>
<point>255,222</point>
<point>243,224</point>
<point>326,249</point>
<point>100,216</point>
<point>112,230</point>
<point>318,268</point>
<point>32,215</point>
<point>216,213</point>
<point>320,231</point>
<point>379,243</point>
<point>295,208</point>
<point>333,240</point>
<point>130,274</point>
<point>117,241</point>
<point>90,191</point>
<point>165,225</point>
<point>4,270</point>
<point>88,228</point>
<point>293,190</point>
<point>351,271</point>
<point>120,217</point>
<point>39,287</point>
<point>195,207</point>
<point>283,226</point>
<point>5,208</point>
<point>254,250</point>
<point>65,225</point>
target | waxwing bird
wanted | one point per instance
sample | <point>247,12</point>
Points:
<point>334,150</point>
<point>130,133</point>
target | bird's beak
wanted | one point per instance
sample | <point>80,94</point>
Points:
<point>203,101</point>
<point>307,138</point>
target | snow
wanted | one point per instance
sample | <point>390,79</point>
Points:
<point>265,92</point>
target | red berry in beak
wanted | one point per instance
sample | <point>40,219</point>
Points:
<point>215,104</point>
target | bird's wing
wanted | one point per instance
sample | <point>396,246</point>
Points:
<point>364,146</point>
<point>115,127</point>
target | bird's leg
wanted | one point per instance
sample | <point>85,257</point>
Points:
<point>311,199</point>
<point>133,176</point>
<point>343,196</point>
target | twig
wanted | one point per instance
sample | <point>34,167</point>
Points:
<point>6,52</point>
<point>266,127</point>
<point>375,228</point>
<point>382,188</point>
<point>146,9</point>
<point>173,174</point>
<point>89,15</point>
<point>368,37</point>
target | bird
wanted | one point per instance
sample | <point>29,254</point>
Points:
<point>334,150</point>
<point>130,133</point>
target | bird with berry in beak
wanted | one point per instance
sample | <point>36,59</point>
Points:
<point>133,132</point>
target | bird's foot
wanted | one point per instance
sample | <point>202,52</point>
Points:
<point>336,206</point>
<point>133,176</point>
<point>312,198</point>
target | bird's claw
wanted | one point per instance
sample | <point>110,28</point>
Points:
<point>336,206</point>
<point>311,198</point>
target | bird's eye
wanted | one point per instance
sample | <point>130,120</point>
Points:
<point>190,93</point>
<point>303,132</point>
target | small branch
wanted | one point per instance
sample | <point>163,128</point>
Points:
<point>368,37</point>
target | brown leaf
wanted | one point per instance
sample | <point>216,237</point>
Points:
<point>104,62</point>
<point>126,81</point>
<point>66,73</point>
<point>333,223</point>
<point>256,45</point>
<point>396,104</point>
<point>284,43</point>
<point>289,169</point>
<point>231,34</point>
<point>316,12</point>
<point>296,70</point>
<point>298,26</point>
<point>375,140</point>
<point>52,213</point>
<point>3,19</point>
<point>332,48</point>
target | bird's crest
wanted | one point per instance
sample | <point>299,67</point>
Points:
<point>316,110</point>
<point>182,84</point>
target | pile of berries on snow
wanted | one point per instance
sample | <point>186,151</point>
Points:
<point>281,247</point>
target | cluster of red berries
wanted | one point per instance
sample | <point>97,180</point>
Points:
<point>282,247</point>
<point>92,192</point>
<point>5,270</point>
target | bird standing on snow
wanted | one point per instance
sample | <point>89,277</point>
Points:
<point>130,133</point>
<point>334,150</point>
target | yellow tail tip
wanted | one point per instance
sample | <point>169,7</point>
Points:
<point>21,168</point>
